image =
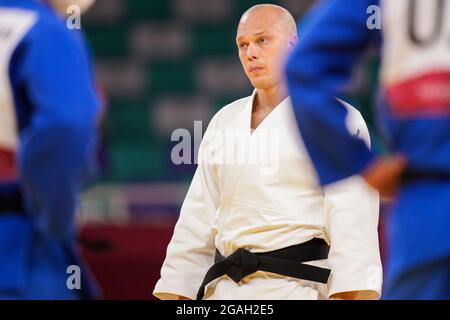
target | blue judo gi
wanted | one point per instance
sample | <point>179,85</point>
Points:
<point>49,107</point>
<point>413,113</point>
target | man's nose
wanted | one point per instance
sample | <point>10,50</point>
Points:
<point>252,52</point>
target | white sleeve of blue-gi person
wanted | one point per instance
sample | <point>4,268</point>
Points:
<point>191,250</point>
<point>352,212</point>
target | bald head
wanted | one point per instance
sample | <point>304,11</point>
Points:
<point>273,16</point>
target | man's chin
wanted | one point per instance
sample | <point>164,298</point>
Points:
<point>260,84</point>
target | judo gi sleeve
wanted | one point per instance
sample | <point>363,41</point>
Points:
<point>191,250</point>
<point>57,145</point>
<point>352,211</point>
<point>318,69</point>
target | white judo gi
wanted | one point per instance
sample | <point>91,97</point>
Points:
<point>270,203</point>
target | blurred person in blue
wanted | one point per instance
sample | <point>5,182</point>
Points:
<point>413,113</point>
<point>48,110</point>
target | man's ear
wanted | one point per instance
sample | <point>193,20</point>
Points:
<point>293,40</point>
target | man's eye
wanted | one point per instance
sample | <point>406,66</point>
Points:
<point>242,45</point>
<point>263,40</point>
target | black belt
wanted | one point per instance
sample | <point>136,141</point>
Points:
<point>11,200</point>
<point>410,175</point>
<point>286,262</point>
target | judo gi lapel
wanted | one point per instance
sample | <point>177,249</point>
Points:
<point>235,171</point>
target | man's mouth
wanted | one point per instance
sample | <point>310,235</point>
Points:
<point>255,69</point>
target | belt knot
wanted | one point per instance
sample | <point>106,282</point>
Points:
<point>244,264</point>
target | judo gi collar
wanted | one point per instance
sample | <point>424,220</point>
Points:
<point>253,96</point>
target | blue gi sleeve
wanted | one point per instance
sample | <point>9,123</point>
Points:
<point>56,153</point>
<point>330,44</point>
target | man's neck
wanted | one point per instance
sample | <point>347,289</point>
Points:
<point>268,99</point>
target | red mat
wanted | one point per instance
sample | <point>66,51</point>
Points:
<point>131,267</point>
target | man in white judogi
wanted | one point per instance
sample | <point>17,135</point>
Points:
<point>255,189</point>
